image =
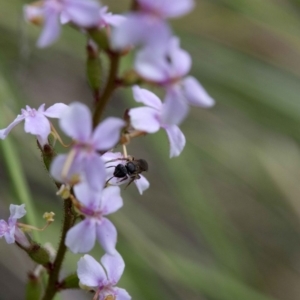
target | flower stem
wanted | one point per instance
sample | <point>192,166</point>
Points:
<point>110,86</point>
<point>53,280</point>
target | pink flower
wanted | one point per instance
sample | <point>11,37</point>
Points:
<point>103,277</point>
<point>140,29</point>
<point>147,26</point>
<point>9,230</point>
<point>36,121</point>
<point>167,69</point>
<point>156,115</point>
<point>84,161</point>
<point>95,206</point>
<point>84,13</point>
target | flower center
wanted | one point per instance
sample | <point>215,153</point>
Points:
<point>92,212</point>
<point>29,112</point>
<point>86,147</point>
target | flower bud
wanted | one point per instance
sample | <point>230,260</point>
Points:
<point>71,282</point>
<point>38,254</point>
<point>22,239</point>
<point>93,67</point>
<point>100,38</point>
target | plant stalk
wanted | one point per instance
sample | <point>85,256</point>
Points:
<point>53,280</point>
<point>110,86</point>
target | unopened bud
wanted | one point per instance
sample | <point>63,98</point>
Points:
<point>93,67</point>
<point>22,239</point>
<point>71,282</point>
<point>38,254</point>
<point>100,38</point>
<point>131,78</point>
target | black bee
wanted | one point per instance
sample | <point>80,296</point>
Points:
<point>131,170</point>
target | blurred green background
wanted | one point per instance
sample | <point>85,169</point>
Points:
<point>220,222</point>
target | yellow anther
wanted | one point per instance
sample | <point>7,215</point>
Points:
<point>110,297</point>
<point>75,179</point>
<point>64,191</point>
<point>49,216</point>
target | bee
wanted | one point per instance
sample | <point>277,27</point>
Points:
<point>131,169</point>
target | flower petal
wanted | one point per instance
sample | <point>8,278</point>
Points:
<point>145,119</point>
<point>89,198</point>
<point>3,228</point>
<point>107,18</point>
<point>121,294</point>
<point>38,125</point>
<point>41,108</point>
<point>176,139</point>
<point>76,122</point>
<point>165,64</point>
<point>153,64</point>
<point>107,134</point>
<point>180,60</point>
<point>64,18</point>
<point>107,156</point>
<point>113,20</point>
<point>66,171</point>
<point>90,272</point>
<point>84,13</point>
<point>95,172</point>
<point>167,8</point>
<point>111,200</point>
<point>4,132</point>
<point>195,93</point>
<point>55,110</point>
<point>51,30</point>
<point>107,236</point>
<point>141,29</point>
<point>174,109</point>
<point>81,238</point>
<point>10,235</point>
<point>57,166</point>
<point>114,266</point>
<point>142,184</point>
<point>17,211</point>
<point>146,97</point>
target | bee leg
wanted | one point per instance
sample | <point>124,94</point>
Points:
<point>123,179</point>
<point>116,159</point>
<point>129,183</point>
<point>107,181</point>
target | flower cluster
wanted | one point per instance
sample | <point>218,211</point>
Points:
<point>89,175</point>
